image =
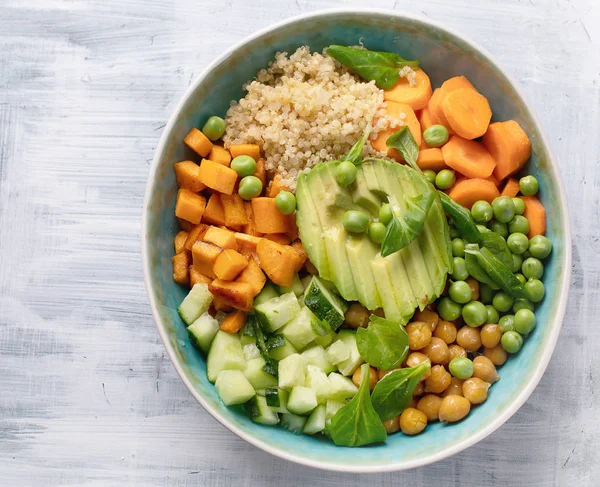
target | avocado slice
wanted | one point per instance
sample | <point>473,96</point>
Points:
<point>363,196</point>
<point>361,251</point>
<point>385,287</point>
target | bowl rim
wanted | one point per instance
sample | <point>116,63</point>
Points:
<point>541,365</point>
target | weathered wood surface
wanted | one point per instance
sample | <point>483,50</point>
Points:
<point>87,395</point>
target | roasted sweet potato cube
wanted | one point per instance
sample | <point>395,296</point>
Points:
<point>181,274</point>
<point>221,155</point>
<point>261,171</point>
<point>198,142</point>
<point>219,303</point>
<point>251,150</point>
<point>190,206</point>
<point>302,256</point>
<point>234,322</point>
<point>222,237</point>
<point>217,176</point>
<point>236,294</point>
<point>245,241</point>
<point>195,234</point>
<point>292,232</point>
<point>214,212</point>
<point>229,264</point>
<point>196,277</point>
<point>275,187</point>
<point>250,227</point>
<point>254,276</point>
<point>185,225</point>
<point>268,219</point>
<point>188,176</point>
<point>204,255</point>
<point>281,238</point>
<point>179,241</point>
<point>278,261</point>
<point>235,212</point>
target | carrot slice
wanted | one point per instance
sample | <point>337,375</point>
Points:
<point>431,159</point>
<point>425,119</point>
<point>436,102</point>
<point>468,112</point>
<point>469,191</point>
<point>402,113</point>
<point>468,157</point>
<point>511,188</point>
<point>493,179</point>
<point>509,146</point>
<point>415,96</point>
<point>536,214</point>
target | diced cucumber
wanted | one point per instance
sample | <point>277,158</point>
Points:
<point>202,331</point>
<point>300,329</point>
<point>292,371</point>
<point>348,366</point>
<point>324,340</point>
<point>316,355</point>
<point>276,312</point>
<point>293,422</point>
<point>246,339</point>
<point>297,288</point>
<point>195,303</point>
<point>328,307</point>
<point>233,388</point>
<point>272,397</point>
<point>302,400</point>
<point>318,381</point>
<point>340,387</point>
<point>316,421</point>
<point>267,293</point>
<point>257,376</point>
<point>338,351</point>
<point>332,407</point>
<point>251,351</point>
<point>283,399</point>
<point>279,353</point>
<point>225,354</point>
<point>259,412</point>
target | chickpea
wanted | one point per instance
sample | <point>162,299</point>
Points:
<point>474,285</point>
<point>497,354</point>
<point>419,389</point>
<point>456,351</point>
<point>357,376</point>
<point>379,312</point>
<point>381,373</point>
<point>446,330</point>
<point>469,338</point>
<point>475,390</point>
<point>427,316</point>
<point>490,335</point>
<point>415,359</point>
<point>413,403</point>
<point>439,380</point>
<point>437,351</point>
<point>485,369</point>
<point>455,387</point>
<point>392,425</point>
<point>430,405</point>
<point>412,421</point>
<point>419,335</point>
<point>357,316</point>
<point>454,408</point>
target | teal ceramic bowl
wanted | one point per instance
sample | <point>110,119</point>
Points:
<point>443,54</point>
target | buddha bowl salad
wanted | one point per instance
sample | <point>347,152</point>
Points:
<point>361,256</point>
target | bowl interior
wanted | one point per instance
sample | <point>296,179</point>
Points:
<point>442,55</point>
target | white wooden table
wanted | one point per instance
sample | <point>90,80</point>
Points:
<point>87,395</point>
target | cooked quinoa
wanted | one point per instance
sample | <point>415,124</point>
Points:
<point>304,109</point>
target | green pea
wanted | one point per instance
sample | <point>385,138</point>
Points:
<point>507,322</point>
<point>385,213</point>
<point>532,268</point>
<point>492,314</point>
<point>517,243</point>
<point>355,221</point>
<point>436,135</point>
<point>445,179</point>
<point>526,254</point>
<point>503,301</point>
<point>519,205</point>
<point>481,211</point>
<point>429,175</point>
<point>511,341</point>
<point>504,209</point>
<point>460,269</point>
<point>243,165</point>
<point>345,173</point>
<point>460,292</point>
<point>500,228</point>
<point>535,290</point>
<point>250,187</point>
<point>517,261</point>
<point>454,233</point>
<point>377,232</point>
<point>214,128</point>
<point>486,293</point>
<point>461,367</point>
<point>519,224</point>
<point>483,228</point>
<point>458,247</point>
<point>540,247</point>
<point>528,185</point>
<point>524,321</point>
<point>285,202</point>
<point>521,277</point>
<point>522,303</point>
<point>474,313</point>
<point>448,309</point>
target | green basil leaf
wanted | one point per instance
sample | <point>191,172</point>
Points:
<point>497,246</point>
<point>383,344</point>
<point>382,67</point>
<point>393,393</point>
<point>472,265</point>
<point>500,274</point>
<point>405,143</point>
<point>275,341</point>
<point>403,229</point>
<point>462,219</point>
<point>357,423</point>
<point>355,154</point>
<point>264,343</point>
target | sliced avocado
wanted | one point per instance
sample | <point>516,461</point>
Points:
<point>368,169</point>
<point>385,288</point>
<point>363,196</point>
<point>405,298</point>
<point>361,251</point>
